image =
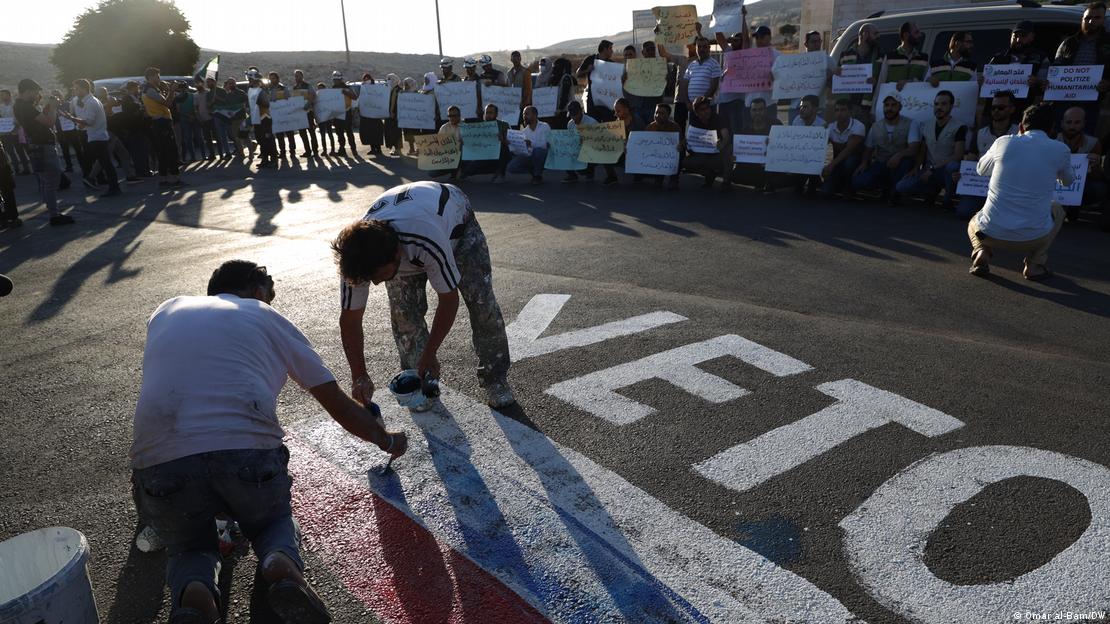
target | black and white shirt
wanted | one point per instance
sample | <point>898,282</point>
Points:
<point>428,218</point>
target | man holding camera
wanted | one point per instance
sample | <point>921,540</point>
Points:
<point>38,122</point>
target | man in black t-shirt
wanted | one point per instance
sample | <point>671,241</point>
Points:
<point>598,110</point>
<point>699,160</point>
<point>38,123</point>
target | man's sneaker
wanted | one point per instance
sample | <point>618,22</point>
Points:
<point>61,219</point>
<point>499,395</point>
<point>90,184</point>
<point>148,540</point>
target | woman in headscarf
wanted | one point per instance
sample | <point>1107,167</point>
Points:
<point>542,78</point>
<point>409,85</point>
<point>370,130</point>
<point>430,81</point>
<point>561,77</point>
<point>392,132</point>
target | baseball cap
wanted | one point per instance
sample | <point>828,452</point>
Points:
<point>446,62</point>
<point>337,74</point>
<point>891,96</point>
<point>27,84</point>
<point>762,31</point>
<point>1024,26</point>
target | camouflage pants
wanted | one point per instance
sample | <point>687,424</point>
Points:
<point>408,305</point>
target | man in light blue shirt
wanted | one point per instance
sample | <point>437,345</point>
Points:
<point>1021,213</point>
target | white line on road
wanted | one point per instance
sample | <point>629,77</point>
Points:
<point>885,538</point>
<point>859,409</point>
<point>594,392</point>
<point>570,536</point>
<point>524,333</point>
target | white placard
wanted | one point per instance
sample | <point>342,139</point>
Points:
<point>605,83</point>
<point>749,148</point>
<point>1073,83</point>
<point>853,79</point>
<point>506,99</point>
<point>463,94</point>
<point>252,99</point>
<point>797,149</point>
<point>117,110</point>
<point>330,104</point>
<point>652,153</point>
<point>1013,78</point>
<point>797,75</point>
<point>726,16</point>
<point>517,143</point>
<point>917,100</point>
<point>701,141</point>
<point>416,110</point>
<point>373,100</point>
<point>643,19</point>
<point>66,124</point>
<point>7,124</point>
<point>546,100</point>
<point>971,183</point>
<point>289,115</point>
<point>1072,195</point>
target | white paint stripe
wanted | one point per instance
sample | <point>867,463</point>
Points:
<point>564,532</point>
<point>885,538</point>
<point>594,392</point>
<point>860,408</point>
<point>524,333</point>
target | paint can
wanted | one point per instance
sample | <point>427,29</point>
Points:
<point>44,578</point>
<point>406,388</point>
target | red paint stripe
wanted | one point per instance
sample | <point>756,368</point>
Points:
<point>388,561</point>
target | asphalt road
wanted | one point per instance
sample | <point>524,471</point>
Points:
<point>856,291</point>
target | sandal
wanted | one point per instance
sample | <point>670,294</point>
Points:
<point>979,266</point>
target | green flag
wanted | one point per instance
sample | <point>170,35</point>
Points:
<point>211,69</point>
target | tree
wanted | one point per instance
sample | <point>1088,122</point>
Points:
<point>124,37</point>
<point>788,31</point>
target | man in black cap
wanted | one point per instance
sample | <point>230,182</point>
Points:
<point>1023,52</point>
<point>38,122</point>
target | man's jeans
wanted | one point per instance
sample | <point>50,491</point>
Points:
<point>841,177</point>
<point>879,175</point>
<point>181,499</point>
<point>941,179</point>
<point>532,163</point>
<point>48,170</point>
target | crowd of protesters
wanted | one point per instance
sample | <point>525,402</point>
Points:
<point>157,127</point>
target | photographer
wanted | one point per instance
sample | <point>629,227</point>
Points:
<point>38,122</point>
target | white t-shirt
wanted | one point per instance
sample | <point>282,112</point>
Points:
<point>855,128</point>
<point>586,121</point>
<point>427,216</point>
<point>1023,169</point>
<point>212,371</point>
<point>91,111</point>
<point>538,136</point>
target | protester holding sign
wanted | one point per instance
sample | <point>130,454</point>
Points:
<point>485,147</point>
<point>599,110</point>
<point>889,151</point>
<point>1022,51</point>
<point>864,52</point>
<point>710,165</point>
<point>1089,46</point>
<point>276,91</point>
<point>1072,135</point>
<point>762,38</point>
<point>535,139</point>
<point>1002,111</point>
<point>808,116</point>
<point>576,118</point>
<point>308,135</point>
<point>751,173</point>
<point>663,123</point>
<point>906,63</point>
<point>1020,214</point>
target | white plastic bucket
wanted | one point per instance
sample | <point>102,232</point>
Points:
<point>44,578</point>
<point>414,400</point>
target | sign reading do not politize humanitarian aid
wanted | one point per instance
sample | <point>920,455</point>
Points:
<point>416,111</point>
<point>373,100</point>
<point>289,115</point>
<point>1073,83</point>
<point>481,141</point>
<point>797,149</point>
<point>436,151</point>
<point>917,100</point>
<point>652,153</point>
<point>563,147</point>
<point>798,75</point>
<point>974,185</point>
